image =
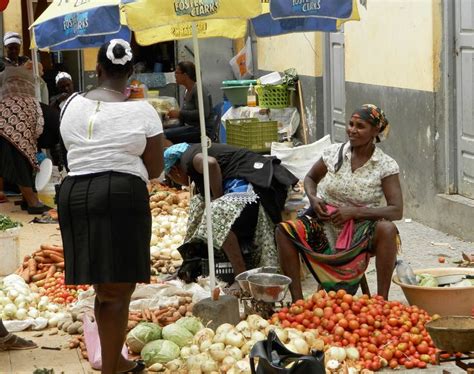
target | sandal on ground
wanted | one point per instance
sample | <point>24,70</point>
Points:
<point>22,203</point>
<point>38,209</point>
<point>139,367</point>
<point>3,198</point>
<point>12,342</point>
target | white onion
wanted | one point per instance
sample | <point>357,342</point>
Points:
<point>224,328</point>
<point>227,363</point>
<point>301,346</point>
<point>21,314</point>
<point>216,351</point>
<point>202,335</point>
<point>352,353</point>
<point>256,322</point>
<point>234,338</point>
<point>234,352</point>
<point>209,366</point>
<point>247,347</point>
<point>336,353</point>
<point>186,352</point>
<point>257,336</point>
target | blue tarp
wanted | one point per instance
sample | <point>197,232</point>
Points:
<point>311,8</point>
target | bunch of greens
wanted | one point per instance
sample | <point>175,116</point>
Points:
<point>290,78</point>
<point>7,223</point>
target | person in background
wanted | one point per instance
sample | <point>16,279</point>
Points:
<point>21,124</point>
<point>188,130</point>
<point>12,44</point>
<point>113,147</point>
<point>65,87</point>
<point>240,181</point>
<point>348,222</point>
<point>12,342</point>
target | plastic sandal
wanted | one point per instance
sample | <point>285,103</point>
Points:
<point>13,342</point>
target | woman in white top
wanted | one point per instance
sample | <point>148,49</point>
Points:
<point>348,222</point>
<point>114,146</point>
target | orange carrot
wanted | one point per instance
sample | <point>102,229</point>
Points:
<point>50,253</point>
<point>56,258</point>
<point>51,271</point>
<point>32,266</point>
<point>25,274</point>
<point>60,264</point>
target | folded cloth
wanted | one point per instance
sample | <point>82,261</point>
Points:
<point>344,239</point>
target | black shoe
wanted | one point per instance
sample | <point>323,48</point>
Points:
<point>139,367</point>
<point>23,204</point>
<point>38,209</point>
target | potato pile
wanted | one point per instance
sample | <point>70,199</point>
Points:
<point>169,202</point>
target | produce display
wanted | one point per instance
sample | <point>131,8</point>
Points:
<point>385,333</point>
<point>19,302</point>
<point>7,223</point>
<point>169,208</point>
<point>42,263</point>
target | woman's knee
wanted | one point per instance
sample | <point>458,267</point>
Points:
<point>385,230</point>
<point>114,292</point>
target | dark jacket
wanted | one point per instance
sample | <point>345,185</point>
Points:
<point>268,177</point>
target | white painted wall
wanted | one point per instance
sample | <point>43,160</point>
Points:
<point>300,51</point>
<point>396,44</point>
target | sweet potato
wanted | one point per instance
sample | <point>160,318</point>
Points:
<point>25,274</point>
<point>50,253</point>
<point>42,259</point>
<point>51,271</point>
<point>38,277</point>
<point>56,258</point>
<point>32,266</point>
<point>51,247</point>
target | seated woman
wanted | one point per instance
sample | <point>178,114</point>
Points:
<point>188,130</point>
<point>348,222</point>
<point>240,182</point>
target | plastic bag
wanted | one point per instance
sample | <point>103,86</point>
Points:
<point>299,160</point>
<point>91,338</point>
<point>242,62</point>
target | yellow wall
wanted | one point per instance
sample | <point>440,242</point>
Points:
<point>12,17</point>
<point>397,43</point>
<point>300,51</point>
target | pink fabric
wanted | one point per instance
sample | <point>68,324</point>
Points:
<point>344,239</point>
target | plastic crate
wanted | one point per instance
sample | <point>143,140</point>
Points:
<point>273,96</point>
<point>224,270</point>
<point>251,133</point>
<point>237,95</point>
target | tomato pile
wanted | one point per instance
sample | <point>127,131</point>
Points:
<point>57,291</point>
<point>386,333</point>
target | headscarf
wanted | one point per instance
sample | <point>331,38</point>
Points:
<point>11,37</point>
<point>16,81</point>
<point>376,117</point>
<point>173,155</point>
<point>62,75</point>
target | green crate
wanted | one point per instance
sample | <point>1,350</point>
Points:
<point>251,133</point>
<point>237,95</point>
<point>273,96</point>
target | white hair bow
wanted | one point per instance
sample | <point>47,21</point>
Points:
<point>128,52</point>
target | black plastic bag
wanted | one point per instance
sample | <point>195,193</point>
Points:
<point>273,357</point>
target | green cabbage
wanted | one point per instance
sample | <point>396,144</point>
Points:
<point>427,280</point>
<point>177,334</point>
<point>192,324</point>
<point>159,351</point>
<point>141,334</point>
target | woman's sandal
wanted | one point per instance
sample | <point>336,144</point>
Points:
<point>12,342</point>
<point>139,367</point>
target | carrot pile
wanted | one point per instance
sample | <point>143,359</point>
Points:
<point>42,264</point>
<point>163,315</point>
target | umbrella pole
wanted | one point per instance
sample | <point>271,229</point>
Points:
<point>34,51</point>
<point>204,146</point>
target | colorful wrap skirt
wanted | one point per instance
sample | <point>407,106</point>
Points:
<point>333,268</point>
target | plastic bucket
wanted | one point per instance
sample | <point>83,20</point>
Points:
<point>47,194</point>
<point>9,251</point>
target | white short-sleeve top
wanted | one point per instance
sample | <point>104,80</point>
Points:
<point>363,187</point>
<point>108,136</point>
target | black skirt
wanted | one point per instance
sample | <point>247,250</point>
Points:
<point>14,166</point>
<point>105,223</point>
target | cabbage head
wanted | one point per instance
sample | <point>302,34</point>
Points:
<point>141,334</point>
<point>177,334</point>
<point>192,324</point>
<point>428,280</point>
<point>159,351</point>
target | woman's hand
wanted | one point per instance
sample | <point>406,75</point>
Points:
<point>343,214</point>
<point>319,207</point>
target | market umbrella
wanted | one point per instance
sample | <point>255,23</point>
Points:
<point>156,21</point>
<point>267,25</point>
<point>337,9</point>
<point>68,25</point>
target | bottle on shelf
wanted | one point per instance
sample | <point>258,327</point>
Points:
<point>405,273</point>
<point>251,96</point>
